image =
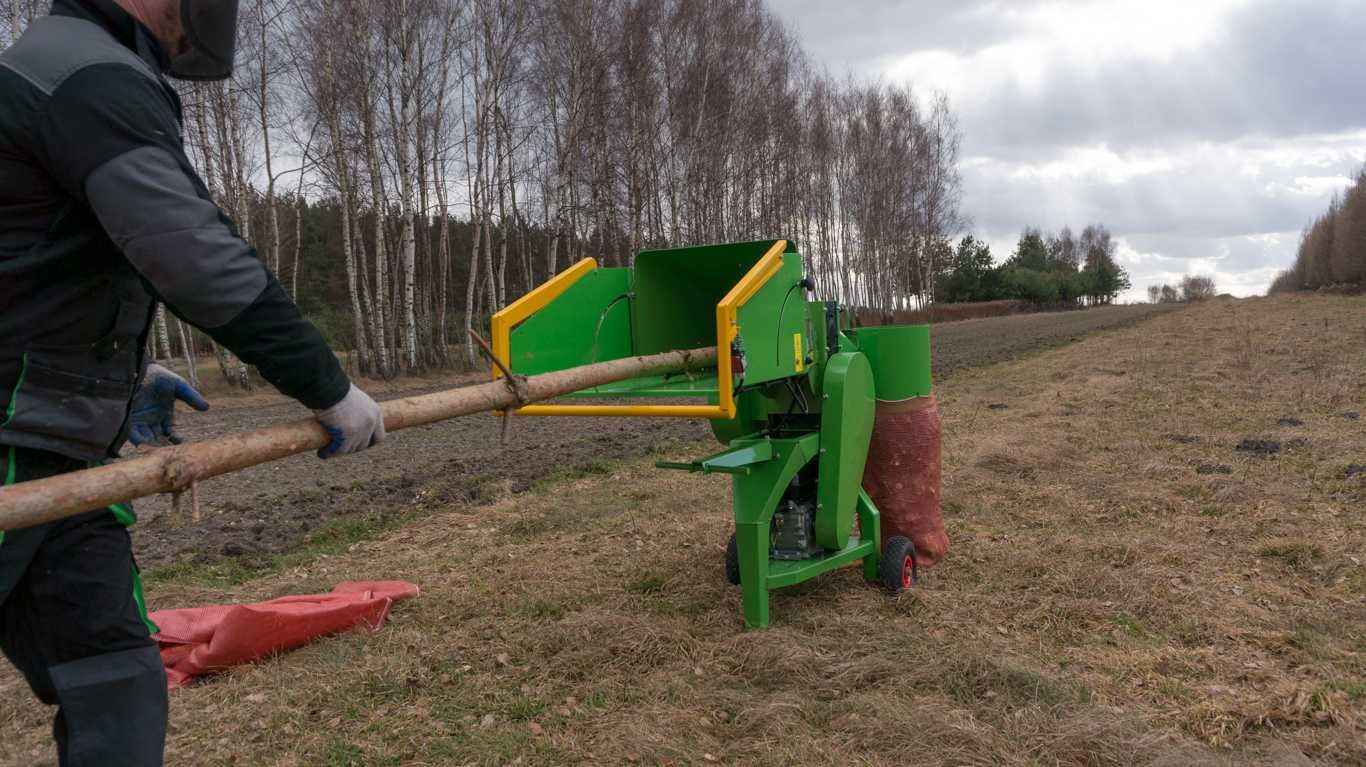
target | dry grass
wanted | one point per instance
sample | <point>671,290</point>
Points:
<point>1104,603</point>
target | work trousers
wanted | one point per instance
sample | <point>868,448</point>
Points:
<point>73,621</point>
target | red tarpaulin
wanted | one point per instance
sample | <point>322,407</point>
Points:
<point>201,640</point>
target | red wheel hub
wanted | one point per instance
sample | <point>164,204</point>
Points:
<point>908,571</point>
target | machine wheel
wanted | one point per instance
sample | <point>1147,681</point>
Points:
<point>896,568</point>
<point>733,561</point>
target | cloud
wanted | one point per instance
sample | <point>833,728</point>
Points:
<point>1240,265</point>
<point>1233,210</point>
<point>1132,74</point>
<point>1190,188</point>
<point>864,34</point>
<point>1204,133</point>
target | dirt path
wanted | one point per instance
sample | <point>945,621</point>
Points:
<point>272,508</point>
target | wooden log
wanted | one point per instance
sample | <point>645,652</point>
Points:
<point>174,469</point>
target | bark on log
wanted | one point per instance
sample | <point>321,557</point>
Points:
<point>174,469</point>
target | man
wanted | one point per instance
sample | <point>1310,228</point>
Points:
<point>102,215</point>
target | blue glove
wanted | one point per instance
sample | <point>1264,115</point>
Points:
<point>152,417</point>
<point>355,423</point>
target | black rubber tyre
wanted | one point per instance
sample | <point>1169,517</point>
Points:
<point>732,561</point>
<point>896,568</point>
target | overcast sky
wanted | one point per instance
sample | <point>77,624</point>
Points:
<point>1204,133</point>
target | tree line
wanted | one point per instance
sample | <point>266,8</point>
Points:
<point>409,167</point>
<point>1332,250</point>
<point>1192,288</point>
<point>1052,270</point>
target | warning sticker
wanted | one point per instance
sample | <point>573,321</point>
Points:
<point>799,359</point>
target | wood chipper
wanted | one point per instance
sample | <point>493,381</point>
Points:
<point>792,394</point>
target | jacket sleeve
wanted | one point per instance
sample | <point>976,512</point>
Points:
<point>112,141</point>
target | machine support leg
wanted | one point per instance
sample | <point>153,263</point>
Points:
<point>870,528</point>
<point>751,540</point>
<point>757,494</point>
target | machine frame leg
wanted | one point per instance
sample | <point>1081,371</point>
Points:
<point>751,539</point>
<point>757,491</point>
<point>870,528</point>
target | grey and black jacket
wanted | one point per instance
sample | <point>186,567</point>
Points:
<point>102,215</point>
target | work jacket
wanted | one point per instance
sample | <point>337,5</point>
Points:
<point>101,216</point>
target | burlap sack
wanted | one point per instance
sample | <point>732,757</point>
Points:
<point>903,473</point>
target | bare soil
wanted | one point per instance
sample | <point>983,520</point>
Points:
<point>273,508</point>
<point>971,343</point>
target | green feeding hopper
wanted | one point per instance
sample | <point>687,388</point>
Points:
<point>792,394</point>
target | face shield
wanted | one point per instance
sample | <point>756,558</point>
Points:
<point>210,28</point>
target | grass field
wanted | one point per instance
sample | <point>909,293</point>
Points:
<point>1126,586</point>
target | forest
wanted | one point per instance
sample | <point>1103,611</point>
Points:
<point>1055,270</point>
<point>1332,252</point>
<point>409,167</point>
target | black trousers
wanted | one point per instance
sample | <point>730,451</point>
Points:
<point>72,620</point>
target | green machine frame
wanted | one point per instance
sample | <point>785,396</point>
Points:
<point>793,394</point>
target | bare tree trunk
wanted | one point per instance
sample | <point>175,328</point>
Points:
<point>206,154</point>
<point>272,207</point>
<point>500,284</point>
<point>408,245</point>
<point>353,265</point>
<point>298,243</point>
<point>237,147</point>
<point>368,296</point>
<point>489,273</point>
<point>378,203</point>
<point>472,279</point>
<point>163,335</point>
<point>439,180</point>
<point>234,372</point>
<point>187,348</point>
<point>469,69</point>
<point>226,363</point>
<point>16,24</point>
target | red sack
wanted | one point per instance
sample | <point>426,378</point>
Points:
<point>200,640</point>
<point>903,472</point>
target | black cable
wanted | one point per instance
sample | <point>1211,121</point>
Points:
<point>778,348</point>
